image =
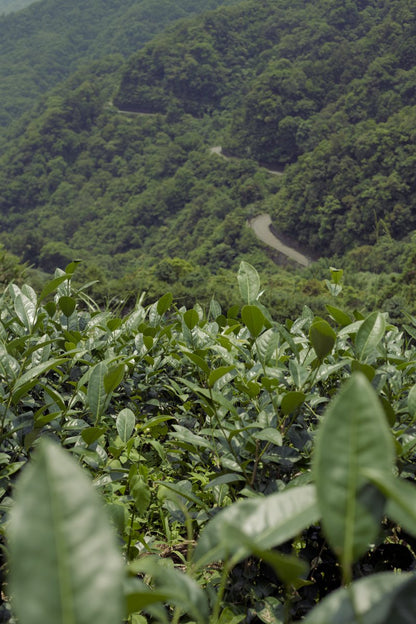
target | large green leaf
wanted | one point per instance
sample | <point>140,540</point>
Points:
<point>369,335</point>
<point>353,436</point>
<point>249,282</point>
<point>96,392</point>
<point>266,521</point>
<point>322,337</point>
<point>125,423</point>
<point>65,567</point>
<point>26,310</point>
<point>253,318</point>
<point>368,601</point>
<point>30,377</point>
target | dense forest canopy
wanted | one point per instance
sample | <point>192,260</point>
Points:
<point>334,86</point>
<point>42,45</point>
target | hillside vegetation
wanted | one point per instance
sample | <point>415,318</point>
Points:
<point>44,44</point>
<point>114,167</point>
<point>330,89</point>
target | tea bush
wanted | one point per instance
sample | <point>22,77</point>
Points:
<point>196,465</point>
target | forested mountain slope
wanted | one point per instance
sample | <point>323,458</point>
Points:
<point>333,82</point>
<point>322,89</point>
<point>49,40</point>
<point>9,6</point>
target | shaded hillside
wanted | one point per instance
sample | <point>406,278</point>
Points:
<point>10,6</point>
<point>46,42</point>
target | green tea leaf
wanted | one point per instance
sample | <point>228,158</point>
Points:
<point>96,394</point>
<point>411,401</point>
<point>164,303</point>
<point>91,434</point>
<point>367,600</point>
<point>266,521</point>
<point>178,588</point>
<point>269,435</point>
<point>339,316</point>
<point>113,378</point>
<point>64,563</point>
<point>322,337</point>
<point>291,401</point>
<point>253,319</point>
<point>401,495</point>
<point>26,310</point>
<point>125,423</point>
<point>353,436</point>
<point>216,374</point>
<point>140,493</point>
<point>191,318</point>
<point>67,305</point>
<point>369,335</point>
<point>53,285</point>
<point>249,282</point>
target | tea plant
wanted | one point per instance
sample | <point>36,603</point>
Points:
<point>209,466</point>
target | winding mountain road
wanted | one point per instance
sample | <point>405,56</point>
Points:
<point>261,228</point>
<point>261,225</point>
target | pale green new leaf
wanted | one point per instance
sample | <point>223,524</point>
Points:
<point>369,335</point>
<point>25,310</point>
<point>248,282</point>
<point>125,423</point>
<point>352,437</point>
<point>65,567</point>
<point>411,401</point>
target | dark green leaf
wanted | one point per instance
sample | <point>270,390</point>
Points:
<point>368,601</point>
<point>253,319</point>
<point>113,378</point>
<point>67,305</point>
<point>216,374</point>
<point>140,493</point>
<point>191,318</point>
<point>291,401</point>
<point>322,337</point>
<point>164,303</point>
<point>401,496</point>
<point>339,316</point>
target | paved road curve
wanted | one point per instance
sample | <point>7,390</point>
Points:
<point>261,227</point>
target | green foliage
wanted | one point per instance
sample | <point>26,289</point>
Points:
<point>219,446</point>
